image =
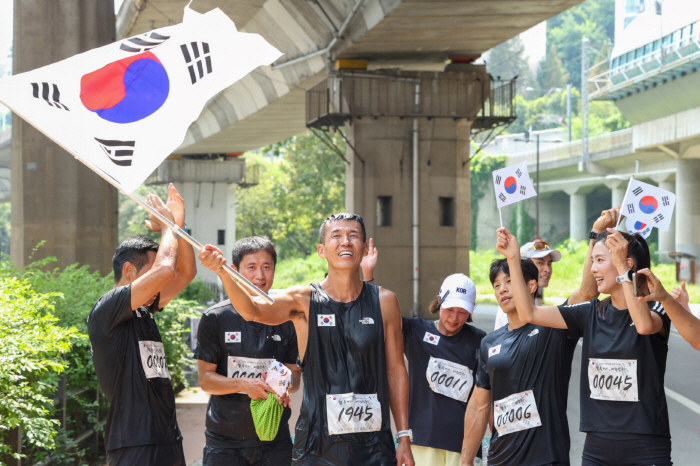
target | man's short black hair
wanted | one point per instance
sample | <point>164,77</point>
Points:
<point>530,270</point>
<point>339,217</point>
<point>133,250</point>
<point>251,245</point>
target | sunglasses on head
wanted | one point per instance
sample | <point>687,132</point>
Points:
<point>541,246</point>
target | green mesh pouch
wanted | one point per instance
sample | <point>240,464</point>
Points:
<point>267,415</point>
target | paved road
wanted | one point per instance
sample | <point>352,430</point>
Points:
<point>682,383</point>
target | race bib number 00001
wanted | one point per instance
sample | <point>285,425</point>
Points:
<point>153,359</point>
<point>348,413</point>
<point>247,368</point>
<point>515,413</point>
<point>450,379</point>
<point>613,379</point>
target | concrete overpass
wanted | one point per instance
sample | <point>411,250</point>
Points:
<point>400,40</point>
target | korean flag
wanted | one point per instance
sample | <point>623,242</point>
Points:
<point>635,226</point>
<point>647,204</point>
<point>512,184</point>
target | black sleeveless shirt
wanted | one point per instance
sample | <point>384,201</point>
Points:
<point>344,354</point>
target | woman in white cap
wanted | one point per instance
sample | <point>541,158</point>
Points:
<point>442,359</point>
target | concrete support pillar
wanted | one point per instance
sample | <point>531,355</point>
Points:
<point>618,195</point>
<point>667,239</point>
<point>687,207</point>
<point>54,197</point>
<point>381,167</point>
<point>578,225</point>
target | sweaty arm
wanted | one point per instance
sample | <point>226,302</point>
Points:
<point>397,376</point>
<point>475,421</point>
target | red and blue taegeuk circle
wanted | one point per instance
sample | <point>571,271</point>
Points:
<point>510,185</point>
<point>326,320</point>
<point>648,204</point>
<point>126,90</point>
<point>639,225</point>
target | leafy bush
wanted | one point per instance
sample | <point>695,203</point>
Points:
<point>299,271</point>
<point>172,325</point>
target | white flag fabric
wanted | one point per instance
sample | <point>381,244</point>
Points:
<point>648,204</point>
<point>635,226</point>
<point>512,184</point>
<point>126,106</point>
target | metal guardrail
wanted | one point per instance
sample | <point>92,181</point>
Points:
<point>617,140</point>
<point>676,59</point>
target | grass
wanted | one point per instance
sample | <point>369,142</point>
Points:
<point>566,274</point>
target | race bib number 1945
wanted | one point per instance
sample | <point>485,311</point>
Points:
<point>613,379</point>
<point>515,413</point>
<point>349,412</point>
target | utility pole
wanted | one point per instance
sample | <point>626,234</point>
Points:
<point>568,108</point>
<point>584,104</point>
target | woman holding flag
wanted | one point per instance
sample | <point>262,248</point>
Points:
<point>625,344</point>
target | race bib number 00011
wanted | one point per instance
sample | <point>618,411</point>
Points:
<point>153,359</point>
<point>515,413</point>
<point>247,368</point>
<point>348,413</point>
<point>613,379</point>
<point>450,379</point>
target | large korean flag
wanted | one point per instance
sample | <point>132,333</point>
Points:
<point>647,204</point>
<point>125,107</point>
<point>512,184</point>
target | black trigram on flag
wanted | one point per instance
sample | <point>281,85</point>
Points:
<point>502,197</point>
<point>637,191</point>
<point>143,42</point>
<point>49,93</point>
<point>658,218</point>
<point>119,152</point>
<point>498,180</point>
<point>522,190</point>
<point>665,201</point>
<point>198,59</point>
<point>519,173</point>
<point>630,208</point>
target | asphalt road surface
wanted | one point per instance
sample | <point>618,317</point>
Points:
<point>682,394</point>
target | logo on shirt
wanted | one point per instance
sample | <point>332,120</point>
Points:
<point>232,337</point>
<point>534,332</point>
<point>276,337</point>
<point>494,350</point>
<point>326,320</point>
<point>367,321</point>
<point>430,338</point>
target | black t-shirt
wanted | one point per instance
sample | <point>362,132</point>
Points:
<point>240,348</point>
<point>535,361</point>
<point>447,365</point>
<point>614,396</point>
<point>129,360</point>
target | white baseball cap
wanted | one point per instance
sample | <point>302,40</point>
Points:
<point>458,290</point>
<point>539,249</point>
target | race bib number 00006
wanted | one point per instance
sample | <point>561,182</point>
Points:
<point>348,413</point>
<point>247,368</point>
<point>449,378</point>
<point>613,379</point>
<point>515,413</point>
<point>153,359</point>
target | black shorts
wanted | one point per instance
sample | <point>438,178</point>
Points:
<point>148,455</point>
<point>613,449</point>
<point>275,454</point>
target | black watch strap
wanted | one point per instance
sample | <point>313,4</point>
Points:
<point>592,235</point>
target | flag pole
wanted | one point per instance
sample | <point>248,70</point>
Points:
<point>500,215</point>
<point>176,229</point>
<point>619,217</point>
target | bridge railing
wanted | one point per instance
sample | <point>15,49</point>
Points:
<point>598,144</point>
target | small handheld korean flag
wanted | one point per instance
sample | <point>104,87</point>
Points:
<point>648,205</point>
<point>636,227</point>
<point>123,108</point>
<point>512,184</point>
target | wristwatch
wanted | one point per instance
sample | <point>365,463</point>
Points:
<point>592,235</point>
<point>625,277</point>
<point>405,433</point>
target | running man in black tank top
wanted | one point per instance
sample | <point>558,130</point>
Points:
<point>354,371</point>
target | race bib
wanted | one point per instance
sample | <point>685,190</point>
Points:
<point>348,413</point>
<point>449,378</point>
<point>247,368</point>
<point>153,359</point>
<point>515,413</point>
<point>613,379</point>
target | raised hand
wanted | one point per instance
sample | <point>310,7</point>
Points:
<point>681,295</point>
<point>153,223</point>
<point>617,245</point>
<point>176,205</point>
<point>657,292</point>
<point>507,244</point>
<point>369,262</point>
<point>212,258</point>
<point>608,219</point>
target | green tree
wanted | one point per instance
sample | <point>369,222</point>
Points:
<point>508,60</point>
<point>5,227</point>
<point>480,168</point>
<point>551,72</point>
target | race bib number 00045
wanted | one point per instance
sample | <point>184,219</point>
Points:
<point>613,379</point>
<point>348,413</point>
<point>153,359</point>
<point>515,413</point>
<point>449,378</point>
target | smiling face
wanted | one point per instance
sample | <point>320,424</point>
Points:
<point>452,319</point>
<point>343,246</point>
<point>259,268</point>
<point>603,269</point>
<point>544,266</point>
